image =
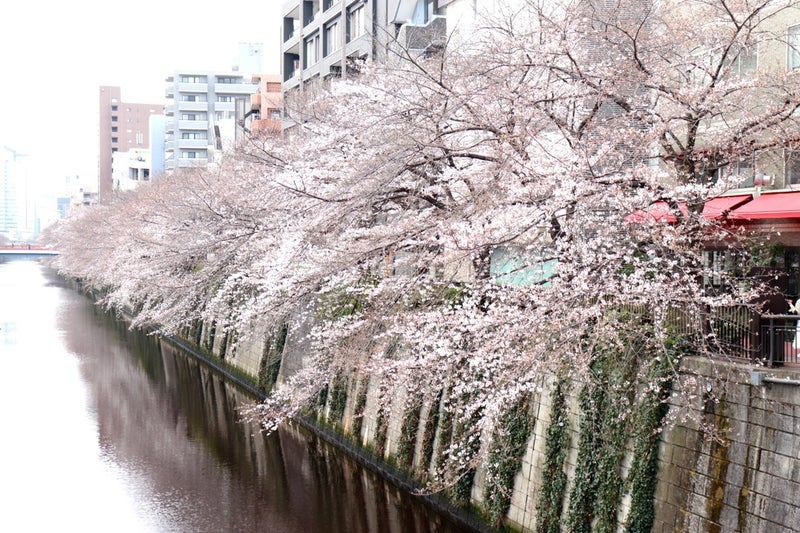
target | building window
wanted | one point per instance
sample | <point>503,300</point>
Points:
<point>333,39</point>
<point>275,114</point>
<point>744,170</point>
<point>794,47</point>
<point>193,79</point>
<point>747,61</point>
<point>227,79</point>
<point>225,98</point>
<point>114,139</point>
<point>312,50</point>
<point>114,129</point>
<point>193,116</point>
<point>193,98</point>
<point>273,87</point>
<point>189,154</point>
<point>114,107</point>
<point>355,22</point>
<point>114,119</point>
<point>194,135</point>
<point>139,137</point>
<point>793,167</point>
<point>423,11</point>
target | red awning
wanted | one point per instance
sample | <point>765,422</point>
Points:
<point>774,205</point>
<point>656,212</point>
<point>719,207</point>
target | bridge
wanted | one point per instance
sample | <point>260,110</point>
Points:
<point>26,250</point>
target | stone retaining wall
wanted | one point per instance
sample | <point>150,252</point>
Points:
<point>729,460</point>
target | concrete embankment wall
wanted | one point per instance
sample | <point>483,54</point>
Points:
<point>736,467</point>
<point>728,460</point>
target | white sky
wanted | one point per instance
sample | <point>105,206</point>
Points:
<point>54,55</point>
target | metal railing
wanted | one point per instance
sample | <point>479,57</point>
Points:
<point>779,341</point>
<point>741,333</point>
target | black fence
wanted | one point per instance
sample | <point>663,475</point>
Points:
<point>779,342</point>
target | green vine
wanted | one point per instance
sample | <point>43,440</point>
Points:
<point>271,357</point>
<point>554,478</point>
<point>461,492</point>
<point>381,432</point>
<point>505,457</point>
<point>408,433</point>
<point>223,346</point>
<point>429,433</point>
<point>212,332</point>
<point>591,401</point>
<point>318,403</point>
<point>445,433</point>
<point>382,424</point>
<point>358,409</point>
<point>642,478</point>
<point>337,400</point>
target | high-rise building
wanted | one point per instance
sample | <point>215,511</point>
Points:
<point>201,115</point>
<point>123,126</point>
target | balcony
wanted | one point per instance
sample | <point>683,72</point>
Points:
<point>187,162</point>
<point>193,144</point>
<point>193,87</point>
<point>235,88</point>
<point>193,125</point>
<point>169,110</point>
<point>431,35</point>
<point>193,106</point>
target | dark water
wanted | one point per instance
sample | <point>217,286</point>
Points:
<point>110,430</point>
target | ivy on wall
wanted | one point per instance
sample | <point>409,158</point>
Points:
<point>382,424</point>
<point>505,457</point>
<point>554,478</point>
<point>337,400</point>
<point>461,491</point>
<point>651,411</point>
<point>605,403</point>
<point>445,433</point>
<point>270,364</point>
<point>429,433</point>
<point>358,409</point>
<point>212,332</point>
<point>408,432</point>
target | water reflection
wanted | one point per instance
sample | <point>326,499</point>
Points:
<point>116,430</point>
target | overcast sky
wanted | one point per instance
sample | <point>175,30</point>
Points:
<point>54,55</point>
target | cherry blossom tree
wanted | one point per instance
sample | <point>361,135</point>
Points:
<point>475,218</point>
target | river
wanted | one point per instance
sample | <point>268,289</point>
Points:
<point>105,429</point>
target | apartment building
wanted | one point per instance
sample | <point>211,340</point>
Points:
<point>266,106</point>
<point>131,169</point>
<point>201,115</point>
<point>122,126</point>
<point>327,38</point>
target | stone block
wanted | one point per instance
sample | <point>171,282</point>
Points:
<point>735,475</point>
<point>728,518</point>
<point>787,444</point>
<point>786,491</point>
<point>737,453</point>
